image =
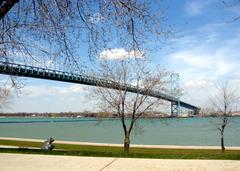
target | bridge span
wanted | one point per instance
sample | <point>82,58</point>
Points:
<point>49,74</point>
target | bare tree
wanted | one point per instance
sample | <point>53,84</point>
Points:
<point>128,106</point>
<point>5,96</point>
<point>41,31</point>
<point>222,106</point>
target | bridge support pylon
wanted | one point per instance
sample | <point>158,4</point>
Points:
<point>175,108</point>
<point>196,111</point>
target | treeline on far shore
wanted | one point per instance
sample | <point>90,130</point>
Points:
<point>104,115</point>
<point>50,114</point>
<point>75,114</point>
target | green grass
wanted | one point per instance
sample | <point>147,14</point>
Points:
<point>107,151</point>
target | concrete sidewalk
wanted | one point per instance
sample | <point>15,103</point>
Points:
<point>20,162</point>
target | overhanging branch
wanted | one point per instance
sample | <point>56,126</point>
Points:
<point>5,6</point>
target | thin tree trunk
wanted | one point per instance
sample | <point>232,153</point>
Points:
<point>126,143</point>
<point>222,140</point>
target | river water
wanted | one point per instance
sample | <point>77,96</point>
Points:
<point>166,131</point>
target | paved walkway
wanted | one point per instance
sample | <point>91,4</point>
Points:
<point>25,162</point>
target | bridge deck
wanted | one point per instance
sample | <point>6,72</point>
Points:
<point>43,73</point>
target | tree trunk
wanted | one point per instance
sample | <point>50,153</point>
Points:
<point>126,143</point>
<point>222,140</point>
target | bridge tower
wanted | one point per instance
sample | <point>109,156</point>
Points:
<point>175,91</point>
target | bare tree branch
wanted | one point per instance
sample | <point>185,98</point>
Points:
<point>222,106</point>
<point>129,106</point>
<point>5,6</point>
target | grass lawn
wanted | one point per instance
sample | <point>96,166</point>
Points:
<point>107,151</point>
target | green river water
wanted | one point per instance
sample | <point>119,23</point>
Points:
<point>166,131</point>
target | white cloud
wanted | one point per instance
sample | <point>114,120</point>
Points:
<point>196,57</point>
<point>51,98</point>
<point>52,90</point>
<point>192,58</point>
<point>97,17</point>
<point>196,7</point>
<point>196,83</point>
<point>49,63</point>
<point>119,54</point>
<point>223,67</point>
<point>204,62</point>
<point>203,57</point>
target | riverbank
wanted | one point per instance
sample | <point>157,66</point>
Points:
<point>120,145</point>
<point>109,150</point>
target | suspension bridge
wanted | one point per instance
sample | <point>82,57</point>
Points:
<point>49,74</point>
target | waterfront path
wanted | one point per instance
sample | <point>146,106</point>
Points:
<point>20,162</point>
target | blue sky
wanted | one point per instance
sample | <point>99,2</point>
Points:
<point>203,50</point>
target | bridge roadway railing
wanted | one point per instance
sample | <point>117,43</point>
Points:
<point>44,73</point>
